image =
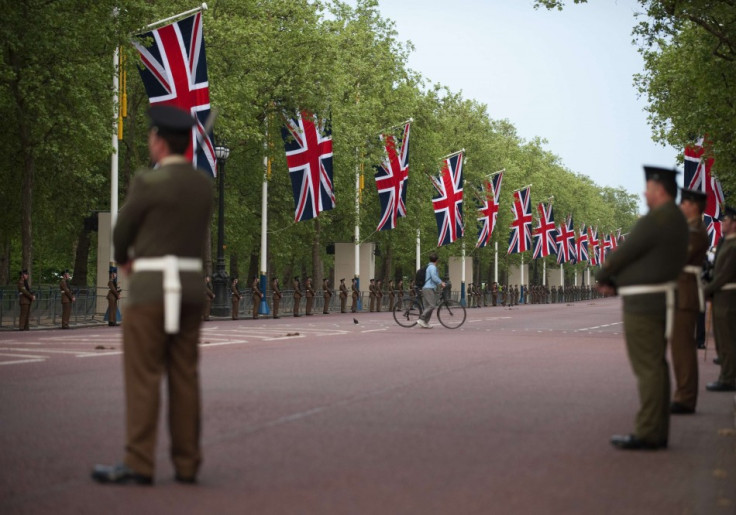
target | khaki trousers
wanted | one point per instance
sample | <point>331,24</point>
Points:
<point>66,313</point>
<point>685,358</point>
<point>646,346</point>
<point>149,353</point>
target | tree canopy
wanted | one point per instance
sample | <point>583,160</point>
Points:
<point>265,57</point>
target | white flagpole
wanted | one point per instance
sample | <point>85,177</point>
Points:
<point>462,278</point>
<point>544,273</point>
<point>522,268</point>
<point>495,263</point>
<point>202,7</point>
<point>419,250</point>
<point>562,276</point>
<point>263,308</point>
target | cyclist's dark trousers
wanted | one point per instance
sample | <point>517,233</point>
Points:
<point>428,296</point>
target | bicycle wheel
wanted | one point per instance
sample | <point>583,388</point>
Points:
<point>406,313</point>
<point>451,314</point>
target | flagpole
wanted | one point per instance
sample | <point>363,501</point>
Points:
<point>462,278</point>
<point>495,263</point>
<point>452,154</point>
<point>357,230</point>
<point>544,272</point>
<point>115,147</point>
<point>202,7</point>
<point>523,188</point>
<point>419,250</point>
<point>382,131</point>
<point>263,308</point>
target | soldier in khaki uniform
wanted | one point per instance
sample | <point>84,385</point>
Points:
<point>326,296</point>
<point>379,294</point>
<point>25,298</point>
<point>372,294</point>
<point>309,293</point>
<point>391,295</point>
<point>276,296</point>
<point>297,295</point>
<point>113,295</point>
<point>643,270</point>
<point>235,297</point>
<point>343,295</point>
<point>722,289</point>
<point>689,304</point>
<point>257,296</point>
<point>159,238</point>
<point>355,294</point>
<point>67,298</point>
<point>209,296</point>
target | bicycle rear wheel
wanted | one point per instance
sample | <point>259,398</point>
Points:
<point>451,314</point>
<point>406,313</point>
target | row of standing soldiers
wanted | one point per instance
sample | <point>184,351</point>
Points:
<point>308,292</point>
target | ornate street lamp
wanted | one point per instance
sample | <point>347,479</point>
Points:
<point>219,278</point>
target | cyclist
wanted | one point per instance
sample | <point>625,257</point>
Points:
<point>428,291</point>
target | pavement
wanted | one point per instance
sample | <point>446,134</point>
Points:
<point>510,414</point>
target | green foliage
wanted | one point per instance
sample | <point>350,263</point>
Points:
<point>265,58</point>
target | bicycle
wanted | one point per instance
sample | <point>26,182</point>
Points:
<point>450,313</point>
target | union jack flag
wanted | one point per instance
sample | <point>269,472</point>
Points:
<point>392,178</point>
<point>565,240</point>
<point>696,168</point>
<point>582,245</point>
<point>607,246</point>
<point>616,239</point>
<point>545,232</point>
<point>448,203</point>
<point>174,72</point>
<point>714,229</point>
<point>308,145</point>
<point>714,200</point>
<point>520,238</point>
<point>488,211</point>
<point>593,246</point>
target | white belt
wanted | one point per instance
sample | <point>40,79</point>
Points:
<point>170,266</point>
<point>729,286</point>
<point>696,270</point>
<point>667,288</point>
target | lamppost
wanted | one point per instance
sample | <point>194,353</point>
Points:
<point>219,278</point>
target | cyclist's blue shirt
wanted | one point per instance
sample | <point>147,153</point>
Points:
<point>433,279</point>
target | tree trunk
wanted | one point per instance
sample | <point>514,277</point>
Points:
<point>252,267</point>
<point>234,268</point>
<point>387,264</point>
<point>5,260</point>
<point>26,203</point>
<point>81,259</point>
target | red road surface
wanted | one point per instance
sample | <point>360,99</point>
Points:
<point>511,414</point>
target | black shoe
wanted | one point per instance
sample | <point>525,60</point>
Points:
<point>680,409</point>
<point>119,474</point>
<point>632,443</point>
<point>276,317</point>
<point>310,314</point>
<point>187,480</point>
<point>297,315</point>
<point>717,361</point>
<point>720,387</point>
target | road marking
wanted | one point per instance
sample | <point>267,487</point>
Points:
<point>373,330</point>
<point>29,359</point>
<point>597,327</point>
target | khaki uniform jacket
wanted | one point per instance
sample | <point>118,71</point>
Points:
<point>66,293</point>
<point>26,297</point>
<point>276,291</point>
<point>160,202</point>
<point>343,291</point>
<point>308,289</point>
<point>654,252</point>
<point>687,285</point>
<point>209,292</point>
<point>113,292</point>
<point>724,271</point>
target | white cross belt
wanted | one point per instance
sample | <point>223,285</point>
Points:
<point>171,266</point>
<point>696,270</point>
<point>667,288</point>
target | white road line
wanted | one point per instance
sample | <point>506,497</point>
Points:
<point>373,330</point>
<point>29,359</point>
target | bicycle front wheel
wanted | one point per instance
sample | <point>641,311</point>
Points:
<point>406,313</point>
<point>451,314</point>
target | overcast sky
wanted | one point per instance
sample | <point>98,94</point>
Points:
<point>563,76</point>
